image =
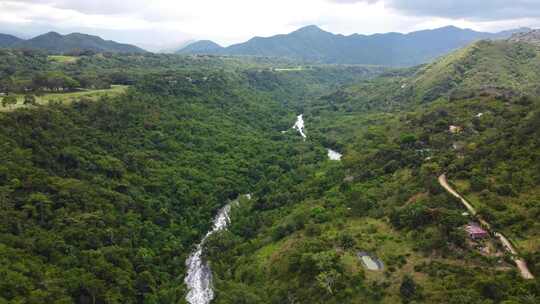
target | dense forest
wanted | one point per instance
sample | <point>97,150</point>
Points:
<point>103,200</point>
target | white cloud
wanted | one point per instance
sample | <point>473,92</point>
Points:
<point>170,21</point>
<point>464,9</point>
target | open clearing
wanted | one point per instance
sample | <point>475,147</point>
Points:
<point>67,98</point>
<point>295,69</point>
<point>63,59</point>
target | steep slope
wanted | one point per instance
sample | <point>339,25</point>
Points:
<point>56,43</point>
<point>308,43</point>
<point>8,40</point>
<point>392,49</point>
<point>486,68</point>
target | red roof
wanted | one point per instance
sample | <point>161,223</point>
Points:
<point>475,229</point>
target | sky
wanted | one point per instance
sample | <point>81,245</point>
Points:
<point>162,24</point>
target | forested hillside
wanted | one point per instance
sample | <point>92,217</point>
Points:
<point>103,200</point>
<point>312,44</point>
<point>35,71</point>
<point>384,198</point>
<point>56,43</point>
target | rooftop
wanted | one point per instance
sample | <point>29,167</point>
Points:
<point>474,228</point>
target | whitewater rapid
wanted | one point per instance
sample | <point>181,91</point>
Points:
<point>299,125</point>
<point>199,274</point>
<point>334,155</point>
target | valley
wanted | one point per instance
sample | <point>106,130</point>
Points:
<point>131,187</point>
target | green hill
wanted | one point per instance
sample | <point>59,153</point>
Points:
<point>8,40</point>
<point>486,68</point>
<point>53,42</point>
<point>201,47</point>
<point>483,68</point>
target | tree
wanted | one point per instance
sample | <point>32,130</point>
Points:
<point>408,140</point>
<point>6,83</point>
<point>29,100</point>
<point>55,81</point>
<point>408,289</point>
<point>9,101</point>
<point>42,205</point>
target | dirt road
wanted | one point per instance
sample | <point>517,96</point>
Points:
<point>520,263</point>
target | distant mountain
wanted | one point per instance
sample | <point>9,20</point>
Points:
<point>169,48</point>
<point>202,46</point>
<point>313,44</point>
<point>8,40</point>
<point>529,37</point>
<point>57,43</point>
<point>509,33</point>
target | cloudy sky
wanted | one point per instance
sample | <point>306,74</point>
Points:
<point>166,23</point>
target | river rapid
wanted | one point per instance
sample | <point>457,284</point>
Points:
<point>299,126</point>
<point>199,274</point>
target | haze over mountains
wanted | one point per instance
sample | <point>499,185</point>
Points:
<point>56,43</point>
<point>309,44</point>
<point>313,44</point>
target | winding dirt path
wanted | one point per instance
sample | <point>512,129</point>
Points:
<point>520,263</point>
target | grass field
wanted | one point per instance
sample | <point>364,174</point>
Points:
<point>67,98</point>
<point>296,69</point>
<point>63,59</point>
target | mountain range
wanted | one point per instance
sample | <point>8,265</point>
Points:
<point>312,44</point>
<point>56,43</point>
<point>8,40</point>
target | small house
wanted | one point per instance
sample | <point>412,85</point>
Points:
<point>476,232</point>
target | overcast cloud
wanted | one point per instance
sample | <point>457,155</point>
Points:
<point>466,9</point>
<point>163,23</point>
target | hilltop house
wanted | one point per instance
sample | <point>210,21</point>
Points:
<point>476,232</point>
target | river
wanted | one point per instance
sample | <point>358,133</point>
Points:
<point>299,126</point>
<point>334,155</point>
<point>199,274</point>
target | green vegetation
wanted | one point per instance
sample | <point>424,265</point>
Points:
<point>102,200</point>
<point>21,101</point>
<point>23,71</point>
<point>104,192</point>
<point>298,242</point>
<point>63,59</point>
<point>56,43</point>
